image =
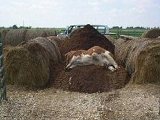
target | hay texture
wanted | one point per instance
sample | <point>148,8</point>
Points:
<point>3,33</point>
<point>56,39</point>
<point>110,38</point>
<point>31,63</point>
<point>153,33</point>
<point>90,79</point>
<point>85,38</point>
<point>15,36</point>
<point>33,33</point>
<point>50,32</point>
<point>141,59</point>
<point>49,45</point>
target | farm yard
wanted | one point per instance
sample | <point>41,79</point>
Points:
<point>38,86</point>
<point>137,101</point>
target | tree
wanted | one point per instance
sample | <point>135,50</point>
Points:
<point>14,27</point>
<point>116,27</point>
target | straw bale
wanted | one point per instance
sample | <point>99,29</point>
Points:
<point>49,45</point>
<point>33,33</point>
<point>25,68</point>
<point>110,38</point>
<point>15,36</point>
<point>122,49</point>
<point>153,33</point>
<point>141,59</point>
<point>32,63</point>
<point>90,79</point>
<point>50,32</point>
<point>6,49</point>
<point>3,33</point>
<point>56,39</point>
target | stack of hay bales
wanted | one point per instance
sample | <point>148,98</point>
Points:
<point>15,36</point>
<point>32,62</point>
<point>92,78</point>
<point>3,33</point>
<point>141,58</point>
<point>153,33</point>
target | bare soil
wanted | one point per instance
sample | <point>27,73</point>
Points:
<point>140,102</point>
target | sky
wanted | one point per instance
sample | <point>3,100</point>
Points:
<point>61,13</point>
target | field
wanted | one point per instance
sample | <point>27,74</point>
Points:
<point>39,87</point>
<point>129,32</point>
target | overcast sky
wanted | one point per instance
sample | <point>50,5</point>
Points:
<point>60,13</point>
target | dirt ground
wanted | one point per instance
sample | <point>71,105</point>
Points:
<point>130,103</point>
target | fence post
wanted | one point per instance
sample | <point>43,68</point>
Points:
<point>2,74</point>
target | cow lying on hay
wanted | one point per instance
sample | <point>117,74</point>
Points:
<point>93,56</point>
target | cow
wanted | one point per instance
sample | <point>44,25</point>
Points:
<point>93,56</point>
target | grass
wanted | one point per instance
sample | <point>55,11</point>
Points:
<point>129,32</point>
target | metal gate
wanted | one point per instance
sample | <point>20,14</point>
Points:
<point>2,73</point>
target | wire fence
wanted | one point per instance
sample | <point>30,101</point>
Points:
<point>129,32</point>
<point>2,73</point>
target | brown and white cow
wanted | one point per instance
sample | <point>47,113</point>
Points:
<point>93,56</point>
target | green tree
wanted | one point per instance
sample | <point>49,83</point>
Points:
<point>14,27</point>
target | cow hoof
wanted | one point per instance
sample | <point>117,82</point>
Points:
<point>67,70</point>
<point>111,68</point>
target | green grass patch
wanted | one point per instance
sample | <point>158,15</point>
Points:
<point>129,32</point>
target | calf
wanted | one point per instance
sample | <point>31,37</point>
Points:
<point>93,56</point>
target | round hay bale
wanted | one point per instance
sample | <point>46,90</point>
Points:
<point>90,79</point>
<point>85,38</point>
<point>61,37</point>
<point>49,45</point>
<point>110,38</point>
<point>141,59</point>
<point>33,33</point>
<point>3,33</point>
<point>6,49</point>
<point>153,33</point>
<point>56,39</point>
<point>122,49</point>
<point>31,63</point>
<point>50,32</point>
<point>26,68</point>
<point>15,36</point>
